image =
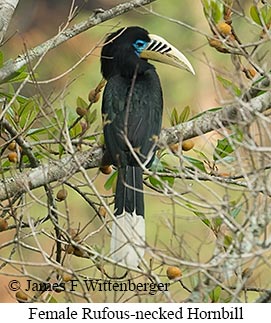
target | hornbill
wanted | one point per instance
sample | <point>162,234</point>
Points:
<point>132,109</point>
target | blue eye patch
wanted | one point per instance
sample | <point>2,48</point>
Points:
<point>139,45</point>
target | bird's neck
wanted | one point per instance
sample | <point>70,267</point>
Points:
<point>137,69</point>
<point>126,68</point>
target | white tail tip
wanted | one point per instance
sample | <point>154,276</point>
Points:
<point>128,239</point>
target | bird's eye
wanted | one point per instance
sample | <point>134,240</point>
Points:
<point>140,45</point>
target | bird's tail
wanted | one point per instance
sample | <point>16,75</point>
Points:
<point>128,229</point>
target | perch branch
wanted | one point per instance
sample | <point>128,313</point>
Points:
<point>63,169</point>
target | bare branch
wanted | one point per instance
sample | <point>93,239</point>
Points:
<point>14,65</point>
<point>7,7</point>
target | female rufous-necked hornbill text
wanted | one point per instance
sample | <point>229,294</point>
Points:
<point>132,115</point>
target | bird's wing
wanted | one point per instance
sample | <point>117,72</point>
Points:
<point>134,112</point>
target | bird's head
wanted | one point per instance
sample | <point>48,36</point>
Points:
<point>132,47</point>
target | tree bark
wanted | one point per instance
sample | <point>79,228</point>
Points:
<point>7,8</point>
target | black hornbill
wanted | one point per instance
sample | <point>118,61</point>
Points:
<point>132,114</point>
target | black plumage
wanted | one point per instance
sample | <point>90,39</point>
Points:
<point>132,111</point>
<point>132,100</point>
<point>132,114</point>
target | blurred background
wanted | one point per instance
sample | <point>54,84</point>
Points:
<point>35,21</point>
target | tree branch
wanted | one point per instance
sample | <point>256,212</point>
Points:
<point>51,172</point>
<point>231,114</point>
<point>7,7</point>
<point>21,142</point>
<point>69,165</point>
<point>14,65</point>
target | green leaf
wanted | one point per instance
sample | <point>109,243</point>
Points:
<point>206,6</point>
<point>234,212</point>
<point>205,112</point>
<point>42,130</point>
<point>213,9</point>
<point>217,221</point>
<point>227,145</point>
<point>37,156</point>
<point>266,14</point>
<point>195,281</point>
<point>155,182</point>
<point>254,14</point>
<point>229,85</point>
<point>174,117</point>
<point>81,103</point>
<point>16,106</point>
<point>111,180</point>
<point>17,76</point>
<point>184,116</point>
<point>168,179</point>
<point>52,299</point>
<point>215,294</point>
<point>91,137</point>
<point>190,206</point>
<point>5,165</point>
<point>21,99</point>
<point>61,150</point>
<point>227,241</point>
<point>27,112</point>
<point>203,218</point>
<point>201,154</point>
<point>217,10</point>
<point>76,130</point>
<point>196,163</point>
<point>92,117</point>
<point>223,149</point>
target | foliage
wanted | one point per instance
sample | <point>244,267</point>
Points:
<point>208,207</point>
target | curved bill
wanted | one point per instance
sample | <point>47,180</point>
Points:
<point>161,51</point>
